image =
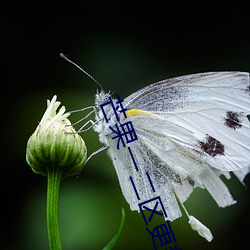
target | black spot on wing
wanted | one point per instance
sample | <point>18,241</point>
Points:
<point>233,119</point>
<point>191,181</point>
<point>248,89</point>
<point>212,146</point>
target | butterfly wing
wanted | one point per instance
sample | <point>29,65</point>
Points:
<point>213,106</point>
<point>189,130</point>
<point>135,185</point>
<point>172,168</point>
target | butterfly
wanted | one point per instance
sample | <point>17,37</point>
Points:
<point>190,131</point>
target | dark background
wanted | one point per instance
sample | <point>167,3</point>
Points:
<point>125,45</point>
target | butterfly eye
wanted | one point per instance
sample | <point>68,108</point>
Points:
<point>106,99</point>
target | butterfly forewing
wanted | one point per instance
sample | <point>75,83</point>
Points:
<point>211,107</point>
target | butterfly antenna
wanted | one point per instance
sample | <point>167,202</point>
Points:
<point>86,73</point>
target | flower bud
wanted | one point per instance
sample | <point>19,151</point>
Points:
<point>55,144</point>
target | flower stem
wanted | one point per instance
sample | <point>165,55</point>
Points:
<point>54,177</point>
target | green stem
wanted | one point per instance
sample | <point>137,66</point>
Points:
<point>54,177</point>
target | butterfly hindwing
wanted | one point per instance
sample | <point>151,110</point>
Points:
<point>177,159</point>
<point>146,161</point>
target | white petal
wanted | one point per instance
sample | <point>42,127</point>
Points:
<point>51,114</point>
<point>202,230</point>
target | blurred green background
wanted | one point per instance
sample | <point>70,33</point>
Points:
<point>125,47</point>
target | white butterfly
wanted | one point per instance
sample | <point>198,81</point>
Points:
<point>191,130</point>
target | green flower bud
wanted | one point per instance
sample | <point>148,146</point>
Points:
<point>55,144</point>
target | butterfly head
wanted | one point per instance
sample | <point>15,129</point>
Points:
<point>101,97</point>
<point>104,116</point>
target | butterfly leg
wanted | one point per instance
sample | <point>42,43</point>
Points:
<point>96,152</point>
<point>82,128</point>
<point>81,110</point>
<point>91,155</point>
